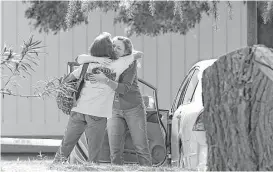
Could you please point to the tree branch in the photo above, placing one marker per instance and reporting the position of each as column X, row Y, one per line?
column 18, row 95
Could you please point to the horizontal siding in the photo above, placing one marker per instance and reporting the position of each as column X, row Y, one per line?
column 166, row 61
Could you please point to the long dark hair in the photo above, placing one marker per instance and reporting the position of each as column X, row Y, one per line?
column 103, row 46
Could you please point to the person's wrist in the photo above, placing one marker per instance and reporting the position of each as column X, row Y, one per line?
column 138, row 55
column 106, row 80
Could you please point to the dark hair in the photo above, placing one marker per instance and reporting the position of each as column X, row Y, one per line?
column 127, row 44
column 103, row 46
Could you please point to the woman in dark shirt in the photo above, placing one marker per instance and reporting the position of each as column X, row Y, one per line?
column 128, row 110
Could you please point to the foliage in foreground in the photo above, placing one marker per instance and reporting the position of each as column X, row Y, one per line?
column 16, row 66
column 149, row 18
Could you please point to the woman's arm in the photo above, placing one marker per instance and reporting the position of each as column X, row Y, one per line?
column 127, row 80
column 128, row 77
column 122, row 63
column 85, row 58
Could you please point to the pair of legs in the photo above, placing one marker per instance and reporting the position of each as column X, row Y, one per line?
column 77, row 124
column 133, row 120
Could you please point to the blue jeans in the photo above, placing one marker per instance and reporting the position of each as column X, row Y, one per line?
column 133, row 120
column 78, row 123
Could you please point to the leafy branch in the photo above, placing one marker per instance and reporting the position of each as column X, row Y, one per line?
column 149, row 18
column 20, row 65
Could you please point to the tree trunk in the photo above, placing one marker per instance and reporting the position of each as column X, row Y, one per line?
column 238, row 110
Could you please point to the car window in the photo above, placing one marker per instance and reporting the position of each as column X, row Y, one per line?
column 179, row 94
column 190, row 89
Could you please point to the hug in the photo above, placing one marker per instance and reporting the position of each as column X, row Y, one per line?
column 109, row 101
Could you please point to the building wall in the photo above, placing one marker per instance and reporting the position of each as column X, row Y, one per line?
column 167, row 60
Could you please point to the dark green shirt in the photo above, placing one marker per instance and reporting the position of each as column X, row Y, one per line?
column 128, row 94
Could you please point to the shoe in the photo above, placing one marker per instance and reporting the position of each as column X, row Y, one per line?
column 60, row 159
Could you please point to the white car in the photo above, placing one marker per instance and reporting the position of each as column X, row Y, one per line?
column 188, row 142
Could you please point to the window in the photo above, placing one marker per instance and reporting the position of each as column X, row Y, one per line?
column 189, row 93
column 180, row 93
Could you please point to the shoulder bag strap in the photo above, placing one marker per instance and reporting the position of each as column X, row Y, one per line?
column 81, row 79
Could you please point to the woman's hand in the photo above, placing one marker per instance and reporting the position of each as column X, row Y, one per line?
column 99, row 77
column 138, row 55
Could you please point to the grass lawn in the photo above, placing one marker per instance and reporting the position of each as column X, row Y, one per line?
column 44, row 165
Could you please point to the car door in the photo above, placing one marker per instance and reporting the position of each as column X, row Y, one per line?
column 186, row 107
column 188, row 112
column 175, row 110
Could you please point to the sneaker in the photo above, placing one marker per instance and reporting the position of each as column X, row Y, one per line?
column 60, row 159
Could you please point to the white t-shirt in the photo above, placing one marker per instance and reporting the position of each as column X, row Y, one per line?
column 97, row 98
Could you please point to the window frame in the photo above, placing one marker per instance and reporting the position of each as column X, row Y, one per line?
column 180, row 90
column 196, row 71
